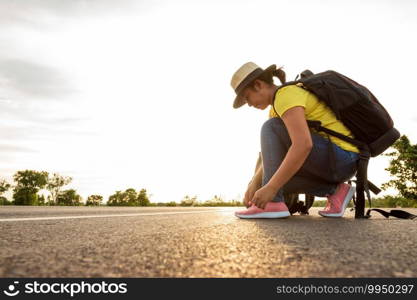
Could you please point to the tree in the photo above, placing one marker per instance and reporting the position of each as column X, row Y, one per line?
column 115, row 199
column 54, row 185
column 126, row 198
column 69, row 197
column 403, row 167
column 143, row 199
column 188, row 201
column 4, row 187
column 216, row 200
column 94, row 200
column 129, row 198
column 41, row 200
column 28, row 184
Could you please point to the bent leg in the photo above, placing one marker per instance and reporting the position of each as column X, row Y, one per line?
column 315, row 176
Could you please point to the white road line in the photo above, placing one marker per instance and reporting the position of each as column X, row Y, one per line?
column 107, row 216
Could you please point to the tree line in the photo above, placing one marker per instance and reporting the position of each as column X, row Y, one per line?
column 28, row 184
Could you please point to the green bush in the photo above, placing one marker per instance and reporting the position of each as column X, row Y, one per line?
column 4, row 201
column 25, row 196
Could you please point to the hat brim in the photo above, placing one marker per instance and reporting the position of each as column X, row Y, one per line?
column 239, row 99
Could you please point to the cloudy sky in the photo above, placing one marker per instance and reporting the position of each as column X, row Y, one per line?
column 121, row 94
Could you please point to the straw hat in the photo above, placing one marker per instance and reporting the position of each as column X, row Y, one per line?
column 245, row 75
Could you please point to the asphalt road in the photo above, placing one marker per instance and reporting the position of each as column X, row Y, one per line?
column 200, row 242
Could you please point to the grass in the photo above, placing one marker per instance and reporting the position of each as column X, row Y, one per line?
column 385, row 201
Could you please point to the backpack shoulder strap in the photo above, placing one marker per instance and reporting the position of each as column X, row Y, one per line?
column 317, row 126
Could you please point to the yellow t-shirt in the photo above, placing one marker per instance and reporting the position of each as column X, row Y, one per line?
column 292, row 95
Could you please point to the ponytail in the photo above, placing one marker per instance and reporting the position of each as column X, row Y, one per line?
column 280, row 74
column 268, row 77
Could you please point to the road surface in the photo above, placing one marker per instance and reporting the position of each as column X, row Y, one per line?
column 200, row 242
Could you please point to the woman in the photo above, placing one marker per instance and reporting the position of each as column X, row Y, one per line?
column 294, row 159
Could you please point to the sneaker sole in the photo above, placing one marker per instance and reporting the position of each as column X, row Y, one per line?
column 266, row 215
column 346, row 201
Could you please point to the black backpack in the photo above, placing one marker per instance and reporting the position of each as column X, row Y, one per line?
column 360, row 111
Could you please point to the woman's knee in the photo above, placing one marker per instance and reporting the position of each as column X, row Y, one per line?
column 272, row 125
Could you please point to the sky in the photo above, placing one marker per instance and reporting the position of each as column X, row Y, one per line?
column 136, row 94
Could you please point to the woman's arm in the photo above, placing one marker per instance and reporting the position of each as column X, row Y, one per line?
column 296, row 124
column 257, row 177
column 253, row 186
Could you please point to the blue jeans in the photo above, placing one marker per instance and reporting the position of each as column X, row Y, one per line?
column 315, row 177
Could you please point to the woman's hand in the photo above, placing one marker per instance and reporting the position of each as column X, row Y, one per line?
column 249, row 194
column 264, row 195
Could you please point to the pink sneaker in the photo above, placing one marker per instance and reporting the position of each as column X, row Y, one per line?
column 272, row 210
column 337, row 203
